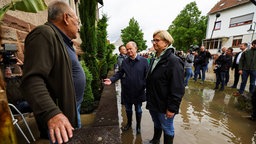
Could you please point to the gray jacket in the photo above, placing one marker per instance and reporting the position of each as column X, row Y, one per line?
column 189, row 61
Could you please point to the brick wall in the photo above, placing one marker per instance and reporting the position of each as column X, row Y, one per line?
column 17, row 24
column 14, row 30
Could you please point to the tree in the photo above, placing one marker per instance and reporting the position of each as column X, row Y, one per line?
column 87, row 105
column 23, row 5
column 188, row 28
column 134, row 33
column 87, row 11
column 102, row 46
column 110, row 58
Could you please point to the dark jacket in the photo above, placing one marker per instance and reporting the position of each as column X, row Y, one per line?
column 165, row 84
column 234, row 65
column 120, row 59
column 203, row 58
column 47, row 81
column 133, row 79
column 224, row 62
column 248, row 60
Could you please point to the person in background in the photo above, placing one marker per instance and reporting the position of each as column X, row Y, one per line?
column 53, row 80
column 223, row 63
column 188, row 66
column 122, row 55
column 165, row 86
column 235, row 64
column 202, row 64
column 247, row 67
column 133, row 80
column 230, row 65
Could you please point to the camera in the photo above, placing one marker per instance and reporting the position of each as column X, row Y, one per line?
column 193, row 48
column 8, row 54
column 216, row 68
column 180, row 54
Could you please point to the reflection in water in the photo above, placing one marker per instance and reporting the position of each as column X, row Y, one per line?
column 209, row 116
column 208, row 95
column 206, row 117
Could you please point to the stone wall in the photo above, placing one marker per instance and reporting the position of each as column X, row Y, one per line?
column 14, row 31
column 17, row 24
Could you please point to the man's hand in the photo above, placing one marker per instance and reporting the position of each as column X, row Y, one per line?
column 240, row 72
column 169, row 114
column 107, row 81
column 60, row 128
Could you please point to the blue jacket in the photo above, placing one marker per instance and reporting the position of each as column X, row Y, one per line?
column 133, row 79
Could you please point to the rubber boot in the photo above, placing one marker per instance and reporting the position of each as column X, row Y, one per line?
column 168, row 139
column 138, row 120
column 129, row 121
column 157, row 136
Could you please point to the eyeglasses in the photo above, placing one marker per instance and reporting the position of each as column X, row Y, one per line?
column 78, row 22
column 155, row 40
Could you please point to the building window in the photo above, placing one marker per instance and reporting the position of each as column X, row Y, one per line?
column 237, row 40
column 241, row 20
column 217, row 25
column 212, row 43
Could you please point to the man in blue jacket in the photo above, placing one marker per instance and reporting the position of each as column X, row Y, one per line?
column 133, row 80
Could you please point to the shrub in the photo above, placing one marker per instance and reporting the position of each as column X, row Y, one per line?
column 88, row 101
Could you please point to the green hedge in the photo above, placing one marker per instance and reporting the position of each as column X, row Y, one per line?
column 88, row 101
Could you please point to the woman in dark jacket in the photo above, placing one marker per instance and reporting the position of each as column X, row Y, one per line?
column 165, row 86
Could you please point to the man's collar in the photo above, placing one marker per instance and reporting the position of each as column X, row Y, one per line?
column 66, row 39
column 136, row 57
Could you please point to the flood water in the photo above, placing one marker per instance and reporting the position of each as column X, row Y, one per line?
column 206, row 117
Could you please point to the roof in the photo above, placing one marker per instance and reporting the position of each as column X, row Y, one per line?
column 227, row 4
column 100, row 1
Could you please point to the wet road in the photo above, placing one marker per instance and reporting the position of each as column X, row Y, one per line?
column 206, row 117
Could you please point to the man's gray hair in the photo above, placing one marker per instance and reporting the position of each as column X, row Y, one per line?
column 133, row 44
column 56, row 9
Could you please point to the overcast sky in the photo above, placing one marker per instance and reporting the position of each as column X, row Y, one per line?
column 151, row 15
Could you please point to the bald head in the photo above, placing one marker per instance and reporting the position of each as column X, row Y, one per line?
column 63, row 17
column 223, row 49
column 56, row 10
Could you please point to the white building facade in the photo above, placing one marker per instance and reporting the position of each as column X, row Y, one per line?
column 228, row 25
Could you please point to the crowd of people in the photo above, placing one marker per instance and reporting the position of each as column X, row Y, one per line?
column 158, row 81
column 243, row 63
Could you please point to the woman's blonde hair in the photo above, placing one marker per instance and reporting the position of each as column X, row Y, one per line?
column 164, row 35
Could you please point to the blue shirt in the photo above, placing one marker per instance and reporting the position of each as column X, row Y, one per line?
column 78, row 74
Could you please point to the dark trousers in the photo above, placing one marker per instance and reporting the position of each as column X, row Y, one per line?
column 220, row 78
column 245, row 75
column 227, row 77
column 254, row 104
column 236, row 76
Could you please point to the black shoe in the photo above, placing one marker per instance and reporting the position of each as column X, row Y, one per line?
column 154, row 141
column 222, row 89
column 252, row 118
column 233, row 87
column 138, row 130
column 168, row 139
column 126, row 128
column 216, row 88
